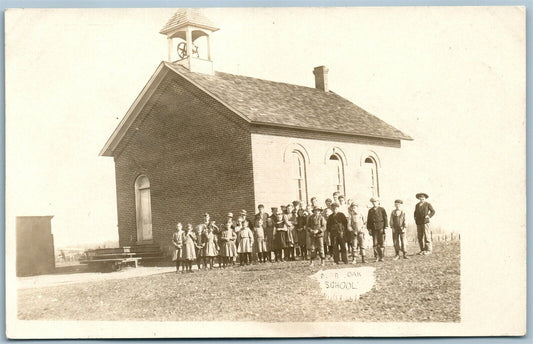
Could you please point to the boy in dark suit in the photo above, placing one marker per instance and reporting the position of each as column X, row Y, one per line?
column 337, row 225
column 376, row 223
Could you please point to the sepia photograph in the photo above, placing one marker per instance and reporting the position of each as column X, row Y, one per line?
column 265, row 172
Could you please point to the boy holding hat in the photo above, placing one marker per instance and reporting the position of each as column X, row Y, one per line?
column 397, row 223
column 423, row 212
column 376, row 223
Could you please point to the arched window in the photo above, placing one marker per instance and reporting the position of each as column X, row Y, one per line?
column 372, row 177
column 298, row 176
column 336, row 173
column 143, row 209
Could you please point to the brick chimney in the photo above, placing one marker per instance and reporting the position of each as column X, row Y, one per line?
column 321, row 78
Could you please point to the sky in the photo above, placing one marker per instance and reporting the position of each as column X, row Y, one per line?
column 451, row 78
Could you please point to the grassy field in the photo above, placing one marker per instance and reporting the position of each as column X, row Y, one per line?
column 422, row 288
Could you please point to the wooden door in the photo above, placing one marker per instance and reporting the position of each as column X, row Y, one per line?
column 144, row 209
column 145, row 221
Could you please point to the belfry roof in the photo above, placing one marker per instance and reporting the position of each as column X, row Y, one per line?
column 187, row 16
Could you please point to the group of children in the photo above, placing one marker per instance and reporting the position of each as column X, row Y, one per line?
column 298, row 230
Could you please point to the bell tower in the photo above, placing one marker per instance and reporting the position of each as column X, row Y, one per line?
column 189, row 34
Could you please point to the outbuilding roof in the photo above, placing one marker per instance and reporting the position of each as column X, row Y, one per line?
column 277, row 103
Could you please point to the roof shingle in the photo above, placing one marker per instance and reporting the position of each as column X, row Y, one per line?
column 276, row 103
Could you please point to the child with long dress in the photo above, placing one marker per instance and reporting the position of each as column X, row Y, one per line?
column 189, row 247
column 281, row 237
column 228, row 250
column 245, row 241
column 210, row 249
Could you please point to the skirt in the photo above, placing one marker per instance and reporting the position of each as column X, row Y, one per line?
column 281, row 240
column 188, row 252
column 293, row 237
column 302, row 238
column 261, row 245
column 228, row 249
column 245, row 246
column 210, row 250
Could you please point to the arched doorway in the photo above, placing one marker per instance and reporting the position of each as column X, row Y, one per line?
column 143, row 209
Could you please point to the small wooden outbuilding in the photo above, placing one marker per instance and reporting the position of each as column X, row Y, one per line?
column 35, row 245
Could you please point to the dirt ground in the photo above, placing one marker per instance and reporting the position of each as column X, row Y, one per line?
column 78, row 274
column 422, row 288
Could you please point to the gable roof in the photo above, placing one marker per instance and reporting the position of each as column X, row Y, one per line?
column 264, row 102
column 277, row 103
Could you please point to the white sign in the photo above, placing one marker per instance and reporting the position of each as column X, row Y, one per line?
column 346, row 284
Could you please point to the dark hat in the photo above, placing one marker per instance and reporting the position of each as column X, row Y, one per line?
column 317, row 208
column 422, row 194
column 295, row 203
column 274, row 208
column 335, row 205
column 374, row 199
column 398, row 201
column 282, row 207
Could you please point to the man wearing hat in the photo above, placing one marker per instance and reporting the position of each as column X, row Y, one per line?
column 376, row 223
column 423, row 212
column 337, row 225
column 316, row 226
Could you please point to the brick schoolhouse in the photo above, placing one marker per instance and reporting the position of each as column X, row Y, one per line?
column 196, row 141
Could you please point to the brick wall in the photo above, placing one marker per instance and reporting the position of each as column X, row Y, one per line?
column 196, row 154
